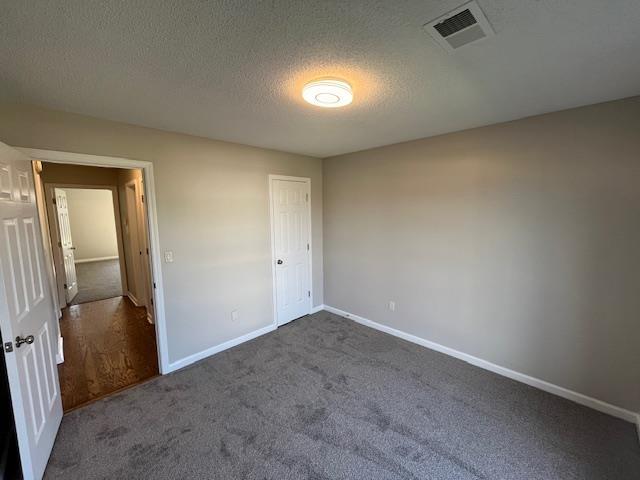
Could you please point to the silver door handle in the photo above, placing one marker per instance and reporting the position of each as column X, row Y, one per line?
column 279, row 262
column 29, row 339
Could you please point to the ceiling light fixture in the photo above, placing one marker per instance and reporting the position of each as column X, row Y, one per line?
column 328, row 93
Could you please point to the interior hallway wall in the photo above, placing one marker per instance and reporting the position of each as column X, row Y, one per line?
column 517, row 243
column 77, row 174
column 123, row 177
column 93, row 223
column 213, row 213
column 135, row 239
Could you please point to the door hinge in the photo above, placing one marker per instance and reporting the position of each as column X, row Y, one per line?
column 53, row 200
column 8, row 347
column 307, row 197
column 65, row 286
column 154, row 284
column 142, row 198
column 307, row 247
column 151, row 301
column 309, row 292
column 60, row 244
column 147, row 251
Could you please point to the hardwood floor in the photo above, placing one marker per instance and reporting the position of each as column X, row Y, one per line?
column 108, row 345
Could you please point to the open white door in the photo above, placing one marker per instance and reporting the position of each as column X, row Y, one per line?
column 27, row 321
column 66, row 244
column 290, row 222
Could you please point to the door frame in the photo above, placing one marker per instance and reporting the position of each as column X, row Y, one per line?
column 48, row 189
column 306, row 180
column 152, row 227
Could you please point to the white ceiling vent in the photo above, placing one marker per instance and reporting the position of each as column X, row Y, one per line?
column 462, row 26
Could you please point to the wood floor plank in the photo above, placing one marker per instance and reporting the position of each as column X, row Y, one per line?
column 108, row 346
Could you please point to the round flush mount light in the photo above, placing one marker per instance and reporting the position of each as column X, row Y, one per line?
column 328, row 93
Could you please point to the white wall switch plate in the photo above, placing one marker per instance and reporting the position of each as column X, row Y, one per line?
column 392, row 305
column 168, row 256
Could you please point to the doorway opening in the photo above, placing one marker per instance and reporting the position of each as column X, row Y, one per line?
column 88, row 249
column 97, row 226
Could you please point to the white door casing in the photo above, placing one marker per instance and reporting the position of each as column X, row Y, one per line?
column 291, row 246
column 26, row 309
column 150, row 198
column 66, row 244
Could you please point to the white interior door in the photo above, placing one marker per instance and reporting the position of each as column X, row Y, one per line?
column 66, row 244
column 290, row 223
column 27, row 320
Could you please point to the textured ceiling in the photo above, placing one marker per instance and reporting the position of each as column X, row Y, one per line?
column 233, row 70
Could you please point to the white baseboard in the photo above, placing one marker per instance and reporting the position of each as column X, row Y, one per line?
column 60, row 352
column 96, row 259
column 133, row 299
column 317, row 309
column 520, row 377
column 218, row 348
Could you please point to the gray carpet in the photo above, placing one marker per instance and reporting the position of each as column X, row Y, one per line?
column 97, row 281
column 326, row 398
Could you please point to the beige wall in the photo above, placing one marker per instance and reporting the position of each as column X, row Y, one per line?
column 212, row 212
column 517, row 243
column 93, row 223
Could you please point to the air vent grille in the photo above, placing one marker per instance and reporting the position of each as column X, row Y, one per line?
column 456, row 23
column 462, row 26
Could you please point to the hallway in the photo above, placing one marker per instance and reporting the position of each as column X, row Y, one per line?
column 108, row 345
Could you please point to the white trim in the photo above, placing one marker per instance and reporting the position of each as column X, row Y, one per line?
column 81, row 158
column 133, row 299
column 478, row 362
column 96, row 259
column 178, row 364
column 154, row 236
column 317, row 309
column 60, row 352
column 306, row 180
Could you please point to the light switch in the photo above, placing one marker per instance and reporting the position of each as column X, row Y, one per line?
column 168, row 256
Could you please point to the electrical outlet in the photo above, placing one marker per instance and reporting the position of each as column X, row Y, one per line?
column 235, row 315
column 392, row 305
column 168, row 256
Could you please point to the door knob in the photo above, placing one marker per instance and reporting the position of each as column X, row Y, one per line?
column 29, row 339
column 279, row 262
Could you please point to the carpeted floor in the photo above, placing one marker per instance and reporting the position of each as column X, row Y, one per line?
column 97, row 281
column 326, row 398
